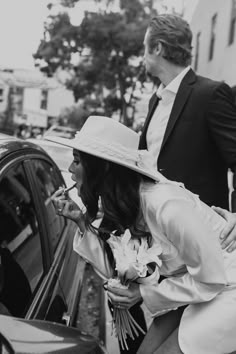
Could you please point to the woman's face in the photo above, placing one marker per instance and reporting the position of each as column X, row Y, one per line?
column 76, row 169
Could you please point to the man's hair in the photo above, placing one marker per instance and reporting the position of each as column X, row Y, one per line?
column 175, row 35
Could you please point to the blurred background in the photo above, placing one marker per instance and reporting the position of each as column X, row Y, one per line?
column 62, row 60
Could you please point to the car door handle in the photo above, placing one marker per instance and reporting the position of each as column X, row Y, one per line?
column 66, row 319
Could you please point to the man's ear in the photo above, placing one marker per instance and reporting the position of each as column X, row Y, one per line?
column 159, row 48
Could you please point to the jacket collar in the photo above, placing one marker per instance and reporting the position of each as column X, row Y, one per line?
column 182, row 95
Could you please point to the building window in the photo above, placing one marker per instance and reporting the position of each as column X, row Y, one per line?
column 232, row 23
column 1, row 94
column 213, row 36
column 197, row 51
column 17, row 99
column 44, row 99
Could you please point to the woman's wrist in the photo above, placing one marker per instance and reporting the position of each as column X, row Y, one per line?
column 80, row 221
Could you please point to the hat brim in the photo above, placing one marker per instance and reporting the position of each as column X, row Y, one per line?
column 95, row 152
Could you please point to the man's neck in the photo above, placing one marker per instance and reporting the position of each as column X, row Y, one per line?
column 169, row 73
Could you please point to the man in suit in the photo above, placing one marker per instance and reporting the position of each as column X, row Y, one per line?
column 191, row 123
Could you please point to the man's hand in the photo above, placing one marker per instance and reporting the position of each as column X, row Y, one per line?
column 228, row 236
column 124, row 298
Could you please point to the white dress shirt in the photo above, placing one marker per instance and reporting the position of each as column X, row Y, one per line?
column 157, row 126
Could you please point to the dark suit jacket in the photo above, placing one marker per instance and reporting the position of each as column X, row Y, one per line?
column 200, row 139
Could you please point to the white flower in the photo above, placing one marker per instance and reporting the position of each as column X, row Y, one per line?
column 115, row 283
column 148, row 254
column 132, row 256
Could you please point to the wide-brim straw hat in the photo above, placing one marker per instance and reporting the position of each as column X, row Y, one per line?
column 113, row 141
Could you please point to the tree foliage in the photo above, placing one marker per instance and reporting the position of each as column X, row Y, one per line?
column 110, row 47
column 74, row 116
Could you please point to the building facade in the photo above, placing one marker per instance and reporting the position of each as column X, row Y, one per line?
column 214, row 39
column 29, row 98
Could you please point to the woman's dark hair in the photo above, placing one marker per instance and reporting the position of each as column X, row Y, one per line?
column 118, row 187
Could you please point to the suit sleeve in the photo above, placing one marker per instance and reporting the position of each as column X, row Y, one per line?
column 221, row 117
column 199, row 249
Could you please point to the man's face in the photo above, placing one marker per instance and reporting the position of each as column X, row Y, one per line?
column 150, row 58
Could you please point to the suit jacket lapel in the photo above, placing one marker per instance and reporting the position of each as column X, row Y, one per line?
column 153, row 104
column 180, row 100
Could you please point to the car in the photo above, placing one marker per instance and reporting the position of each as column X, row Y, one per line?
column 19, row 336
column 41, row 277
column 62, row 156
column 60, row 130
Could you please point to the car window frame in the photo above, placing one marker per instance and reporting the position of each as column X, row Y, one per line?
column 49, row 272
column 6, row 164
column 55, row 257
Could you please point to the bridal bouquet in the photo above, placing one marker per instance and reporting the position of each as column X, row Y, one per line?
column 132, row 258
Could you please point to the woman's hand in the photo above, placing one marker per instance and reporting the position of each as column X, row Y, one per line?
column 228, row 236
column 124, row 298
column 67, row 207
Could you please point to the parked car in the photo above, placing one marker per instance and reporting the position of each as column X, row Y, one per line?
column 41, row 276
column 19, row 336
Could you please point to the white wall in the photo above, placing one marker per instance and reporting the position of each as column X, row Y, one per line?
column 222, row 66
column 32, row 99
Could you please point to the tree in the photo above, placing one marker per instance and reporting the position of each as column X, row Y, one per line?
column 110, row 47
column 74, row 116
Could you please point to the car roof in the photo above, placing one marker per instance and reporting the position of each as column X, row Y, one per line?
column 9, row 144
column 44, row 142
column 6, row 137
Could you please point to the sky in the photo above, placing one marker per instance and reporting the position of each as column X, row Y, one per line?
column 21, row 28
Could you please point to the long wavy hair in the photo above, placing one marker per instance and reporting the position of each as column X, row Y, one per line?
column 118, row 188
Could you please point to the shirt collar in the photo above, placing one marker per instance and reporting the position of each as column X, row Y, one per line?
column 173, row 86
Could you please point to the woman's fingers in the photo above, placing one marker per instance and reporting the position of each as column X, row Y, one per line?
column 126, row 298
column 58, row 193
column 60, row 206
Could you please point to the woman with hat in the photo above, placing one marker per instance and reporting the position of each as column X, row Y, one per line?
column 199, row 274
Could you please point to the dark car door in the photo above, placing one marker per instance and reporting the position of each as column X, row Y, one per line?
column 35, row 243
column 66, row 264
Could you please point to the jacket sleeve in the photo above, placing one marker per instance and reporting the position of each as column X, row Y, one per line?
column 221, row 118
column 199, row 249
column 91, row 248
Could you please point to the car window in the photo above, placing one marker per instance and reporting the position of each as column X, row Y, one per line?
column 20, row 246
column 48, row 181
